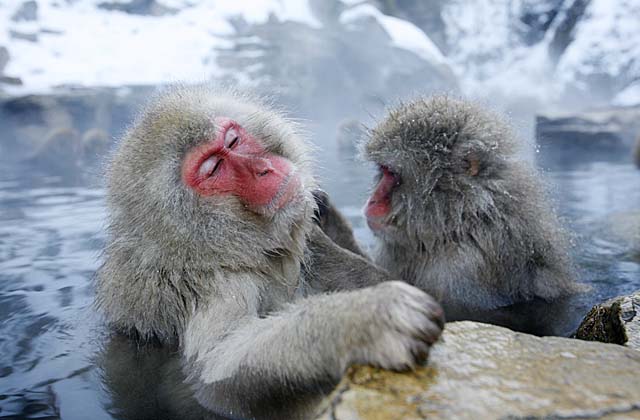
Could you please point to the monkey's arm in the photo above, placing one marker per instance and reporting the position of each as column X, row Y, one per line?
column 240, row 363
column 329, row 267
column 334, row 224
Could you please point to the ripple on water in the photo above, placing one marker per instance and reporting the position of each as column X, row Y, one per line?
column 51, row 236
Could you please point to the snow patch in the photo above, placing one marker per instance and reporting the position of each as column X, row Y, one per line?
column 629, row 96
column 606, row 42
column 488, row 53
column 403, row 34
column 81, row 44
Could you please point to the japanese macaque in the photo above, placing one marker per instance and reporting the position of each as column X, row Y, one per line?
column 65, row 152
column 459, row 216
column 212, row 248
column 59, row 152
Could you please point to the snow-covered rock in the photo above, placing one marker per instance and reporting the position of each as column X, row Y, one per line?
column 554, row 51
column 542, row 52
column 605, row 53
column 27, row 11
column 403, row 34
column 349, row 67
column 81, row 43
column 597, row 134
column 4, row 59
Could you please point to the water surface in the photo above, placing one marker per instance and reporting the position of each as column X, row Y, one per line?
column 51, row 234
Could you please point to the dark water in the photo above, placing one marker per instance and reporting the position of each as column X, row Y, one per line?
column 51, row 235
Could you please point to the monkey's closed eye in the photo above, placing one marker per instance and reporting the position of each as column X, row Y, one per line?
column 231, row 138
column 209, row 166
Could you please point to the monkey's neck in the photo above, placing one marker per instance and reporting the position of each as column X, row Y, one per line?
column 444, row 274
column 402, row 261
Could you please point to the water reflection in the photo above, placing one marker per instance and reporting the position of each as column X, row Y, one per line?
column 57, row 361
column 50, row 237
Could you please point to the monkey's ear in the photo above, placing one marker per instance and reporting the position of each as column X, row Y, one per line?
column 473, row 165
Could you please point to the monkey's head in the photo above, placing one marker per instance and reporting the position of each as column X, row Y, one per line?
column 212, row 177
column 439, row 161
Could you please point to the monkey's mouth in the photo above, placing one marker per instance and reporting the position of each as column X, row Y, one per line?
column 378, row 207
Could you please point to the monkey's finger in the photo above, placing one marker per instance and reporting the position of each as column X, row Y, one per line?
column 322, row 201
column 420, row 353
column 437, row 316
column 428, row 332
column 434, row 312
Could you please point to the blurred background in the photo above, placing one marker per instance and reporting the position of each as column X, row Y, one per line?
column 74, row 72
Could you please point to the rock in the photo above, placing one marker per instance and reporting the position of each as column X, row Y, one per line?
column 23, row 36
column 480, row 371
column 425, row 14
column 564, row 34
column 598, row 134
column 636, row 153
column 139, row 7
column 535, row 18
column 300, row 62
column 4, row 79
column 27, row 11
column 4, row 59
column 9, row 80
column 327, row 11
column 615, row 321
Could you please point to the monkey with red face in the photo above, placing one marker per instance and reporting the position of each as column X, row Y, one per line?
column 212, row 249
column 459, row 216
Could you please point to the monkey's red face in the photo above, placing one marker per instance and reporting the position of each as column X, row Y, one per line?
column 236, row 163
column 378, row 207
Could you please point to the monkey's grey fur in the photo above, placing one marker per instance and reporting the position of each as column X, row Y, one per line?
column 470, row 223
column 335, row 225
column 225, row 285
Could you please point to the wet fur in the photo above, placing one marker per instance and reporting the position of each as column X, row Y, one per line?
column 230, row 290
column 471, row 224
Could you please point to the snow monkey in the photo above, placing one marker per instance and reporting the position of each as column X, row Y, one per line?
column 460, row 217
column 212, row 248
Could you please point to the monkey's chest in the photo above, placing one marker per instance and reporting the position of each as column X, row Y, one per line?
column 282, row 284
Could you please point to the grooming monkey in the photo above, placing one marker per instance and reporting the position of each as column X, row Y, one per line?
column 212, row 249
column 458, row 216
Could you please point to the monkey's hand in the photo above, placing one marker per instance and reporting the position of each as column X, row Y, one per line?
column 329, row 267
column 324, row 206
column 237, row 357
column 406, row 322
column 334, row 224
